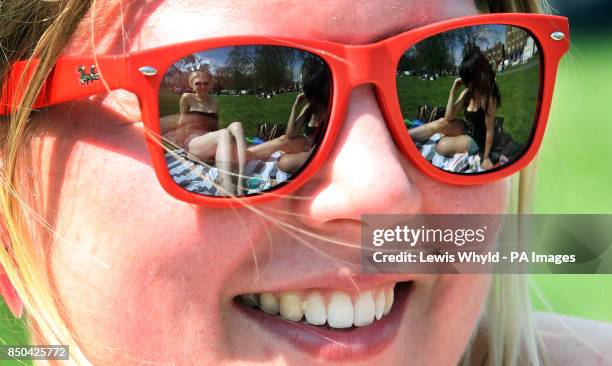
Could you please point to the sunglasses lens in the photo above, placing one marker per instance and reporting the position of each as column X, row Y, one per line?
column 458, row 87
column 256, row 127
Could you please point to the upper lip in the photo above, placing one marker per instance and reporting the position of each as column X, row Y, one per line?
column 329, row 345
column 350, row 282
column 277, row 274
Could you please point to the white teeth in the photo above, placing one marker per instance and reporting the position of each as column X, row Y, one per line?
column 339, row 310
column 268, row 303
column 389, row 295
column 314, row 309
column 291, row 306
column 250, row 300
column 380, row 304
column 364, row 309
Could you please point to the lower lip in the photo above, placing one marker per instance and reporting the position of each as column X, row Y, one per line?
column 354, row 344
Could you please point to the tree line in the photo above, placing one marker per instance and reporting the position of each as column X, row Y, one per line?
column 261, row 68
column 436, row 54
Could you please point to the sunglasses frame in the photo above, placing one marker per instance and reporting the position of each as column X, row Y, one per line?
column 350, row 65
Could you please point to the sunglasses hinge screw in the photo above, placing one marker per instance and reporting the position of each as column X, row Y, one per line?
column 148, row 71
column 557, row 36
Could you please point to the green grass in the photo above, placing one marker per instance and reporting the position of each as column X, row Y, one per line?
column 412, row 91
column 574, row 171
column 12, row 331
column 247, row 109
column 519, row 91
column 518, row 87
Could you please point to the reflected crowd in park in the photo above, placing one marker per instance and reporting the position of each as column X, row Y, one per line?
column 241, row 120
column 478, row 90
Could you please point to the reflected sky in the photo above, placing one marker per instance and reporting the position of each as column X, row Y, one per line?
column 218, row 57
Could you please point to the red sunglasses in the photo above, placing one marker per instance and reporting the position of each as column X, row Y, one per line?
column 411, row 73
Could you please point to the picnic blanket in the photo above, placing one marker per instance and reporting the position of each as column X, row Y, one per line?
column 196, row 177
column 459, row 163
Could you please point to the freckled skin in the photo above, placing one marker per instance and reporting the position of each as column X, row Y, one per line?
column 146, row 277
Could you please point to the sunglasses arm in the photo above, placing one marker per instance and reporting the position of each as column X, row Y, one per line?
column 71, row 78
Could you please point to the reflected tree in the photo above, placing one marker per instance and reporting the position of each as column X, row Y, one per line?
column 238, row 71
column 273, row 67
column 432, row 55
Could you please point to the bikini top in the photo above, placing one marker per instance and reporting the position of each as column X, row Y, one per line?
column 476, row 126
column 197, row 105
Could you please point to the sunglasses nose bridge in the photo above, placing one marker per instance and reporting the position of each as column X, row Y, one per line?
column 368, row 64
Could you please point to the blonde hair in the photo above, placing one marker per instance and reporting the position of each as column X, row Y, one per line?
column 198, row 73
column 505, row 334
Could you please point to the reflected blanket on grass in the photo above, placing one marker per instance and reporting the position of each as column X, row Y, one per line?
column 199, row 178
column 459, row 163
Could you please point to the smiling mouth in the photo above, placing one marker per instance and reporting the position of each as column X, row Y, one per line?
column 336, row 309
column 331, row 324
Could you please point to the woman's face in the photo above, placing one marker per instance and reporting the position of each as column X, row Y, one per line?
column 201, row 84
column 144, row 276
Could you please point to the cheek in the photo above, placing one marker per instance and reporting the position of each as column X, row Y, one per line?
column 458, row 302
column 130, row 263
column 442, row 198
column 446, row 309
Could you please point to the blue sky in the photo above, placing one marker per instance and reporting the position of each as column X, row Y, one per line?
column 218, row 57
column 488, row 36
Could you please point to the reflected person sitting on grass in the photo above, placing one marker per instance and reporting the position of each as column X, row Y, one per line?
column 296, row 148
column 479, row 100
column 202, row 138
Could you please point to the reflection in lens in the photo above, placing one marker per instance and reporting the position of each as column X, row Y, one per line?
column 460, row 86
column 242, row 120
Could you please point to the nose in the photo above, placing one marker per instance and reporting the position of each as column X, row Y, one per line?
column 365, row 172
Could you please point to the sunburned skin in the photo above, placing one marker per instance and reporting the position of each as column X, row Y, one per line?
column 144, row 276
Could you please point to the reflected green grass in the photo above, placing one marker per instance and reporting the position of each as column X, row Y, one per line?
column 247, row 109
column 518, row 88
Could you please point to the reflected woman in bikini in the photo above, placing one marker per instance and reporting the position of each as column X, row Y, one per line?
column 199, row 123
column 479, row 101
column 311, row 120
